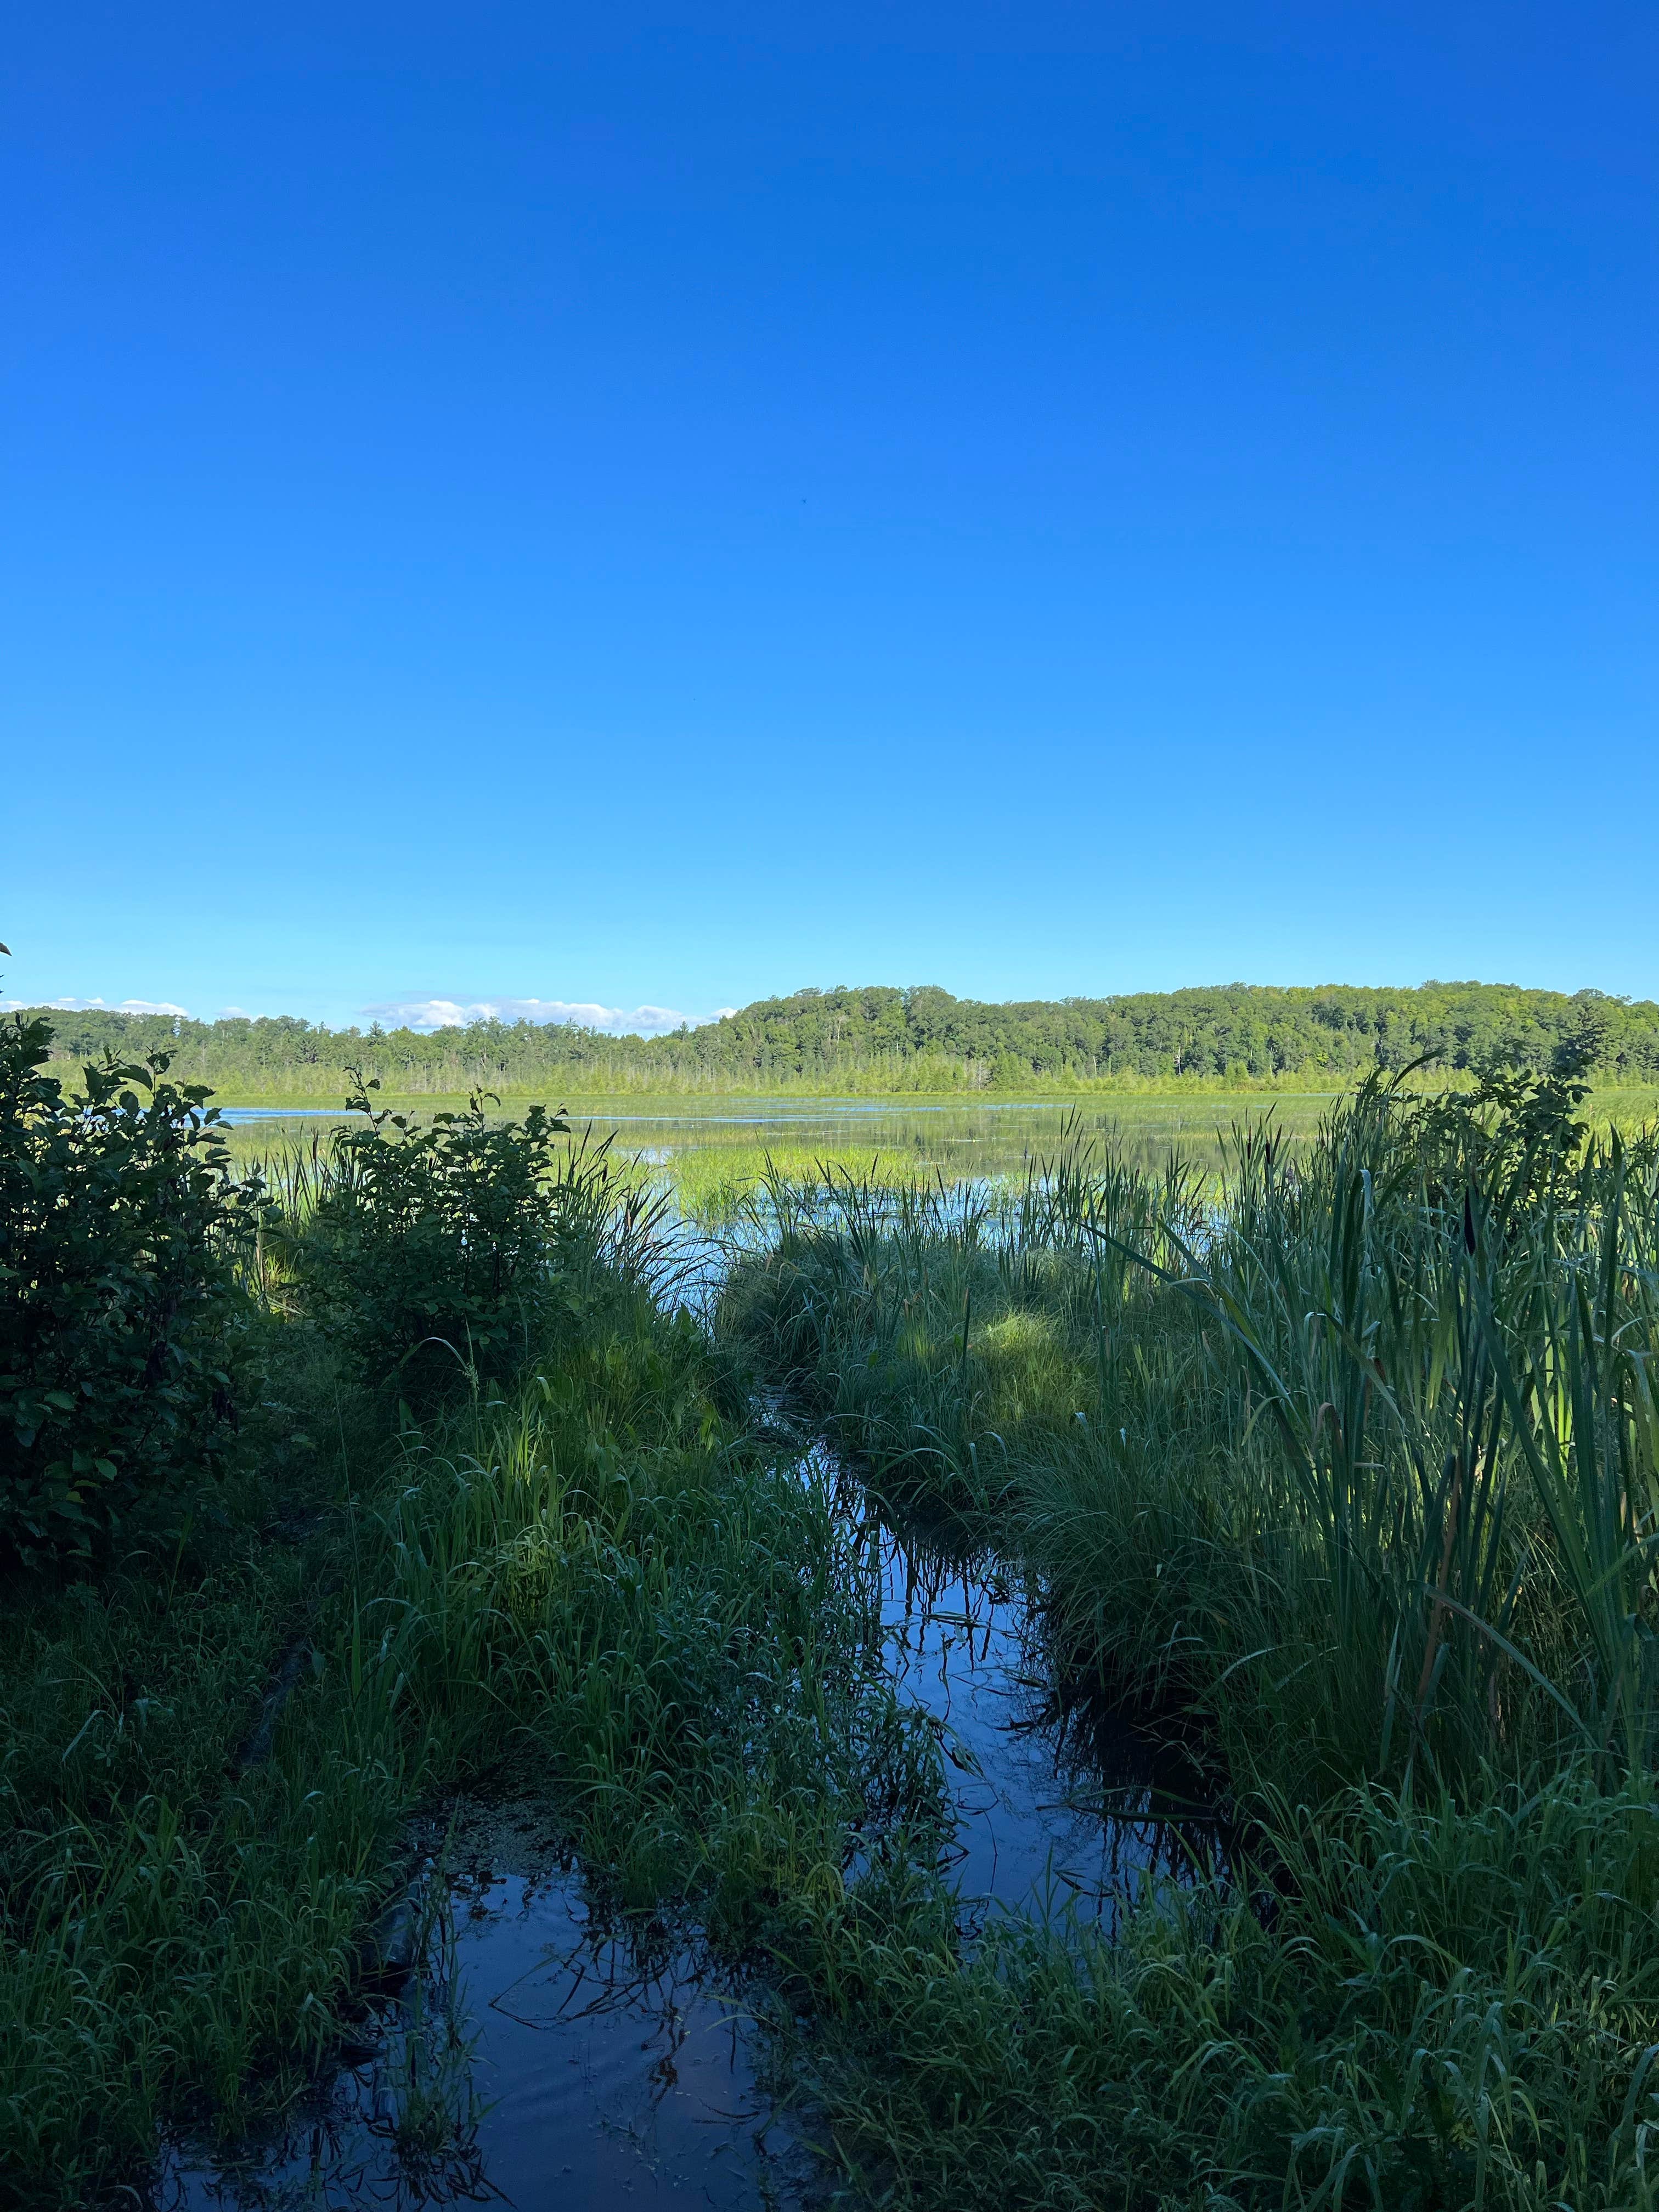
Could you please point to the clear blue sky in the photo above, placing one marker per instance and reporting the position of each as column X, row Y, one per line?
column 638, row 504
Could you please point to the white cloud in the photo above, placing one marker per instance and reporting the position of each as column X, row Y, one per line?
column 233, row 1014
column 98, row 1006
column 616, row 1021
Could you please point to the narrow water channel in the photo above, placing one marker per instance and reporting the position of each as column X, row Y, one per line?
column 539, row 2058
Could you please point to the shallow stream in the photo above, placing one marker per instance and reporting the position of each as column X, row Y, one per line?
column 535, row 2057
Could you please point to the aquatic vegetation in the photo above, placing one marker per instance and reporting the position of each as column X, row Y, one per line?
column 1438, row 2004
column 1342, row 1468
column 1349, row 1473
column 593, row 1579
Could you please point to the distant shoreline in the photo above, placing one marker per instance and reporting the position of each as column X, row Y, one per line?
column 879, row 1041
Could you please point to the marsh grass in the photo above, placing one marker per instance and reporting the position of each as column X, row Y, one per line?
column 1446, row 2006
column 175, row 1919
column 693, row 1144
column 1357, row 1409
column 1347, row 1469
column 592, row 1579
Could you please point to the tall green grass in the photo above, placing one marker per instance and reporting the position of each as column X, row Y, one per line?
column 1440, row 2004
column 1345, row 1471
column 1364, row 1438
column 595, row 1583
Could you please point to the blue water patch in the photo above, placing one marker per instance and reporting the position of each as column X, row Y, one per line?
column 232, row 1117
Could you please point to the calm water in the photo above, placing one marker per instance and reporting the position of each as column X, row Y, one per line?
column 1059, row 1806
column 539, row 2057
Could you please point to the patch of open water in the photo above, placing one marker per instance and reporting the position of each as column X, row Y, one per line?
column 1061, row 1802
column 539, row 2058
column 536, row 2056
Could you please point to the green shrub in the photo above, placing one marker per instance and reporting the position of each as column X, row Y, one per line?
column 425, row 1249
column 120, row 1230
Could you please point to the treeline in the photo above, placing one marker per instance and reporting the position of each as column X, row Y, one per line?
column 879, row 1039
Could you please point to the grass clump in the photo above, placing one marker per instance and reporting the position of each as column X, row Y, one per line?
column 176, row 1915
column 1450, row 2005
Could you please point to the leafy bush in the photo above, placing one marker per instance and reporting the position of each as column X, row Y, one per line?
column 120, row 1226
column 425, row 1247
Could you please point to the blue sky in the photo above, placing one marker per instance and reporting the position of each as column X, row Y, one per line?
column 647, row 506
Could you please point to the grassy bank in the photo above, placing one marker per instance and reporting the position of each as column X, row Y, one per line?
column 580, row 1573
column 1352, row 1484
column 597, row 1587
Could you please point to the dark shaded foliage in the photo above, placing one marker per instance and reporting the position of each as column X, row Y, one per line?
column 427, row 1250
column 120, row 1226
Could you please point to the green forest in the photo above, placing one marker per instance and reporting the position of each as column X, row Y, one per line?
column 881, row 1039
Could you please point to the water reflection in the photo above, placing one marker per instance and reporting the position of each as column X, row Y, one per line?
column 1061, row 1799
column 537, row 2056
